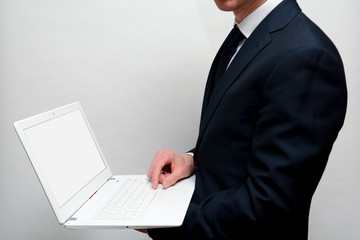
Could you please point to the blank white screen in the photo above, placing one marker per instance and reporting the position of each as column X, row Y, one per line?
column 66, row 153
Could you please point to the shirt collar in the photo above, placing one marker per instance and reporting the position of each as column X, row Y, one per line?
column 248, row 25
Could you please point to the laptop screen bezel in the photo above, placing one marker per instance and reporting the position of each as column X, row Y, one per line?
column 64, row 212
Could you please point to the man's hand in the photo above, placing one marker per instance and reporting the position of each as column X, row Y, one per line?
column 168, row 167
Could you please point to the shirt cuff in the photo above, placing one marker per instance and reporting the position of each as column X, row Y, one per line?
column 190, row 153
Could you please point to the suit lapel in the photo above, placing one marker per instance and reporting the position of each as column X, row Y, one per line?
column 278, row 19
column 209, row 83
column 249, row 50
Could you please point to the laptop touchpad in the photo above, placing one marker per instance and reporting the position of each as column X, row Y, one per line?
column 170, row 197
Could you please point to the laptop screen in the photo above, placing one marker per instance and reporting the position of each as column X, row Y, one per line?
column 67, row 154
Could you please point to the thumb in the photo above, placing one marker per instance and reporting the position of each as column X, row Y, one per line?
column 171, row 179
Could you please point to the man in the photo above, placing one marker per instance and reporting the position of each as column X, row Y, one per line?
column 268, row 123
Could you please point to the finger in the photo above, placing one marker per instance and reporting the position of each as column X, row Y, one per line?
column 162, row 161
column 155, row 178
column 150, row 171
column 157, row 173
column 163, row 176
column 171, row 179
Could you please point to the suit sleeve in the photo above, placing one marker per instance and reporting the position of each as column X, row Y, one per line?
column 303, row 105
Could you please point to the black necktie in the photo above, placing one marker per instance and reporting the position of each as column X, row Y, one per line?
column 228, row 50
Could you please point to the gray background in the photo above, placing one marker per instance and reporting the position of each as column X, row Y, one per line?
column 139, row 70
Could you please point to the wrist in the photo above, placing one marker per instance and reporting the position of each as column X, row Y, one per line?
column 190, row 159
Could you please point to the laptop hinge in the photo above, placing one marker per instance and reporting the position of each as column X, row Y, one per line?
column 72, row 219
column 112, row 178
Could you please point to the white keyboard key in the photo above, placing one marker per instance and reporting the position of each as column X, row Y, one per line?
column 131, row 201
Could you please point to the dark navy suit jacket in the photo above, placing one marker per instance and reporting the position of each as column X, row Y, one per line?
column 266, row 134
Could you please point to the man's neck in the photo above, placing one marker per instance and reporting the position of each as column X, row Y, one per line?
column 242, row 13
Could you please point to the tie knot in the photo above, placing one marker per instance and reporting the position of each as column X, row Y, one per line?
column 234, row 37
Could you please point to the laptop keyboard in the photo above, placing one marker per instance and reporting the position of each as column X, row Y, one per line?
column 131, row 201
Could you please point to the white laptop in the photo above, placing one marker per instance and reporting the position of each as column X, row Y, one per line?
column 78, row 181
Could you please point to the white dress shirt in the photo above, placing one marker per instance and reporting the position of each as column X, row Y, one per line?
column 248, row 25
